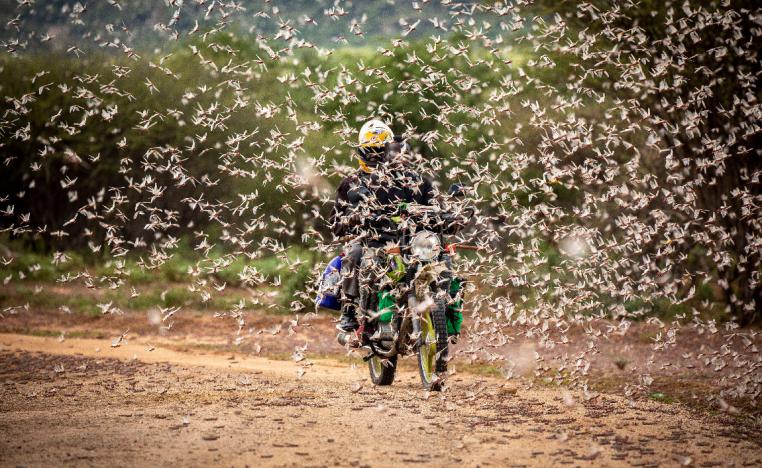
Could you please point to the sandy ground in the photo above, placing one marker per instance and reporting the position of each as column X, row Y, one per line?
column 82, row 402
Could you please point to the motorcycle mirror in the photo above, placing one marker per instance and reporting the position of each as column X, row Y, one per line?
column 456, row 190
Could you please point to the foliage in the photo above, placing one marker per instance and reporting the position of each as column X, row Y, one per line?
column 220, row 149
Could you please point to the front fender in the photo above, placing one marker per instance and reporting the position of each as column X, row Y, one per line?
column 426, row 274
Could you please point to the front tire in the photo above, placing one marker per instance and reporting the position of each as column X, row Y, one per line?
column 381, row 374
column 432, row 353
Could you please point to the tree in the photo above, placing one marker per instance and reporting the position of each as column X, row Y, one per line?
column 682, row 82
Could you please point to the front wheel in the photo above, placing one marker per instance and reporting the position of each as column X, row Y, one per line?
column 382, row 373
column 432, row 353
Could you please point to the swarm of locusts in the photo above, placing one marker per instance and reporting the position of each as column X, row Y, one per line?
column 611, row 151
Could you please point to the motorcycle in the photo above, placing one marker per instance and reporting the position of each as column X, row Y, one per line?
column 410, row 302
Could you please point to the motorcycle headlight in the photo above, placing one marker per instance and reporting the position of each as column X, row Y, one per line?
column 425, row 246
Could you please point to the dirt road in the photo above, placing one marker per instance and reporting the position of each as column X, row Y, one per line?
column 82, row 402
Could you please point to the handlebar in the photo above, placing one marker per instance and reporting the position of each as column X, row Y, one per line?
column 436, row 219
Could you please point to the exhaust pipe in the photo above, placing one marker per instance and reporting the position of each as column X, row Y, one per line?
column 348, row 339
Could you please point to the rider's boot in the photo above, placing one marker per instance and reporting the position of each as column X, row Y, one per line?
column 348, row 326
column 348, row 322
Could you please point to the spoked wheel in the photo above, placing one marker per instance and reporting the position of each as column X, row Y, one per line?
column 432, row 354
column 381, row 373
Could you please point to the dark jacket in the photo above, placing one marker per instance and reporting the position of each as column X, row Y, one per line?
column 386, row 189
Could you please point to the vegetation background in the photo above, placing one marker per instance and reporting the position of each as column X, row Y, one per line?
column 138, row 70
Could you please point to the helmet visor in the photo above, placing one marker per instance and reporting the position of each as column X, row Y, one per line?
column 371, row 150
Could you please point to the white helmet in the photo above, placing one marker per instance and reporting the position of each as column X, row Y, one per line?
column 374, row 134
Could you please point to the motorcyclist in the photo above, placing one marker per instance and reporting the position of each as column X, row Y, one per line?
column 381, row 184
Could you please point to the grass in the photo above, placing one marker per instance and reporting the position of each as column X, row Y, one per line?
column 86, row 301
column 183, row 267
column 667, row 310
column 481, row 369
column 686, row 390
column 34, row 266
column 24, row 294
column 98, row 335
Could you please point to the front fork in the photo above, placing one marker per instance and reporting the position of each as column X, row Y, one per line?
column 442, row 284
column 412, row 304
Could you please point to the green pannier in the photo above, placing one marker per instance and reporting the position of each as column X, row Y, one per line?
column 386, row 305
column 455, row 309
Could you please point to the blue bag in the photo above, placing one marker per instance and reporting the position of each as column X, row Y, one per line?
column 329, row 284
